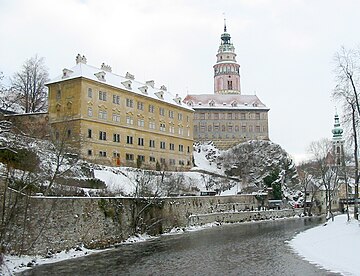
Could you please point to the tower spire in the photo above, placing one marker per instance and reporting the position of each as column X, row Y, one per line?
column 224, row 25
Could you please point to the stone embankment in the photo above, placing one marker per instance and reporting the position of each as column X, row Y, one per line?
column 38, row 225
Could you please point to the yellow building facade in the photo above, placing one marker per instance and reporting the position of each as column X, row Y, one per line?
column 118, row 121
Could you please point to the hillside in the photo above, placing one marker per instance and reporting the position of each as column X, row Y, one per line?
column 45, row 169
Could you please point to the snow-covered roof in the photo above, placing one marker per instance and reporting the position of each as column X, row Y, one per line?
column 224, row 101
column 128, row 83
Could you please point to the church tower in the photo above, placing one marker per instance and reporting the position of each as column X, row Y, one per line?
column 338, row 142
column 226, row 69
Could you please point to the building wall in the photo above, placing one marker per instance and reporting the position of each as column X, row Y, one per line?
column 114, row 126
column 231, row 126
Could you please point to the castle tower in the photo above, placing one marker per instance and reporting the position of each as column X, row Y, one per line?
column 226, row 69
column 337, row 141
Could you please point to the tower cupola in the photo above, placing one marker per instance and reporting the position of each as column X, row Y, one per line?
column 337, row 141
column 226, row 69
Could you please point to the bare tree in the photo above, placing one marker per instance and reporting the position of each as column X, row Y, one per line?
column 325, row 171
column 347, row 70
column 29, row 85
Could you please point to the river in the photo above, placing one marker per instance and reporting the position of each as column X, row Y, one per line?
column 257, row 248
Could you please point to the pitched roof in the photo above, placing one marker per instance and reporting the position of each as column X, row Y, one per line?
column 224, row 101
column 129, row 84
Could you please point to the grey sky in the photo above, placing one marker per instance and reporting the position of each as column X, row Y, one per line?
column 285, row 48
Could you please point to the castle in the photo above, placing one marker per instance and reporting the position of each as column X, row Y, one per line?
column 227, row 117
column 118, row 120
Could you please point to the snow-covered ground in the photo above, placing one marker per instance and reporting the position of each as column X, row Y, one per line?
column 334, row 246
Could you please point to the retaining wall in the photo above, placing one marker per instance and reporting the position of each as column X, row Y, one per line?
column 44, row 224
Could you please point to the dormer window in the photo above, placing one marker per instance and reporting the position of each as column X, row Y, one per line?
column 255, row 104
column 100, row 75
column 177, row 99
column 199, row 103
column 127, row 84
column 66, row 73
column 211, row 103
column 144, row 89
column 163, row 87
column 234, row 104
column 189, row 103
column 160, row 94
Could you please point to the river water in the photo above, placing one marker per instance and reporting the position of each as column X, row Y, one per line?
column 257, row 248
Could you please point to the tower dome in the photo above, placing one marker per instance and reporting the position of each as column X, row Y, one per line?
column 337, row 130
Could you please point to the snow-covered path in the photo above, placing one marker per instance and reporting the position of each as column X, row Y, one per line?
column 334, row 246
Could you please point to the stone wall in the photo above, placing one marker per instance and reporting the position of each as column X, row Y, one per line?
column 44, row 224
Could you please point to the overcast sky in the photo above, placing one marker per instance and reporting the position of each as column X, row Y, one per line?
column 285, row 48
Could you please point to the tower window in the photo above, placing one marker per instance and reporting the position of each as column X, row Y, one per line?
column 230, row 87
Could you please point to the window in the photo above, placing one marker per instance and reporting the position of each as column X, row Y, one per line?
column 172, row 146
column 68, row 133
column 171, row 114
column 162, row 127
column 152, row 143
column 129, row 157
column 102, row 153
column 230, row 87
column 171, row 129
column 141, row 158
column 140, row 141
column 89, row 152
column 242, row 116
column 250, row 128
column 129, row 103
column 229, row 116
column 222, row 128
column 140, row 105
column 151, row 108
column 172, row 162
column 162, row 145
column 188, row 132
column 90, row 111
column 116, row 117
column 58, row 94
column 152, row 159
column 161, row 111
column 181, row 131
column 102, row 96
column 90, row 92
column 116, row 137
column 257, row 116
column 243, row 128
column 257, row 129
column 141, row 122
column 230, row 128
column 129, row 139
column 188, row 149
column 116, row 154
column 216, row 116
column 180, row 116
column 236, row 128
column 116, row 99
column 181, row 162
column 202, row 116
column 129, row 120
column 102, row 135
column 89, row 133
column 209, row 128
column 181, row 148
column 152, row 125
column 102, row 114
column 162, row 160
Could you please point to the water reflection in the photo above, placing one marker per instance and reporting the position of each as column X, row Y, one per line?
column 239, row 249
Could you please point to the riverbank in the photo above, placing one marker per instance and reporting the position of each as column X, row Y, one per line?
column 333, row 246
column 15, row 264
